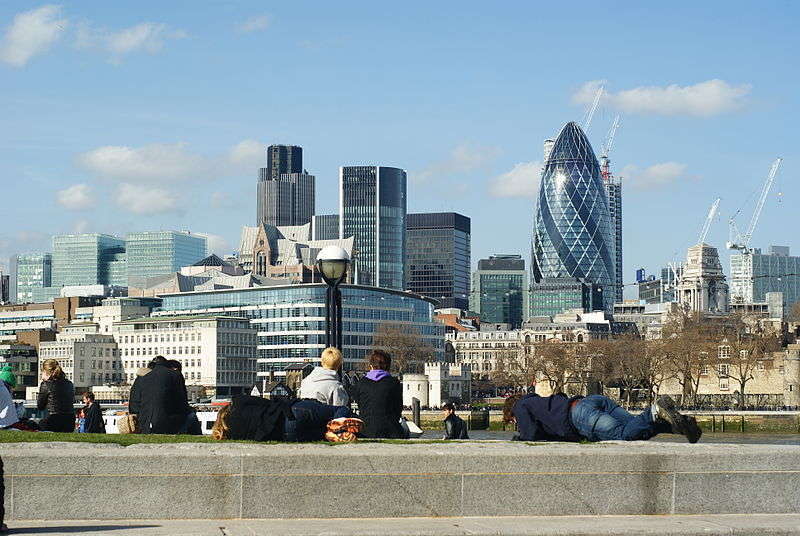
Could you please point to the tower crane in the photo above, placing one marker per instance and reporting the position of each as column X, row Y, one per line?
column 741, row 241
column 587, row 120
column 605, row 167
column 707, row 225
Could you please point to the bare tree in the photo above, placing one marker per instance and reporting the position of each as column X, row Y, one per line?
column 689, row 348
column 554, row 361
column 513, row 369
column 794, row 312
column 622, row 360
column 407, row 347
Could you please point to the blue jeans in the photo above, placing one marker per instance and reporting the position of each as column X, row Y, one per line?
column 598, row 418
column 311, row 420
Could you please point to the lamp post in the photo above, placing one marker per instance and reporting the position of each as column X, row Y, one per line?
column 332, row 262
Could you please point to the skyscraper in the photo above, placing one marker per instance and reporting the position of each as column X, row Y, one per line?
column 154, row 253
column 614, row 193
column 573, row 236
column 285, row 190
column 499, row 290
column 372, row 208
column 87, row 259
column 27, row 273
column 754, row 274
column 438, row 257
column 325, row 227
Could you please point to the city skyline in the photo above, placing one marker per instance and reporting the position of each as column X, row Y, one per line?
column 172, row 155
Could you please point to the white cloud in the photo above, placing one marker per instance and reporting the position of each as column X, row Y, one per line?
column 255, row 23
column 150, row 163
column 32, row 33
column 76, row 197
column 140, row 199
column 248, row 154
column 654, row 176
column 521, row 181
column 704, row 99
column 148, row 37
column 80, row 227
column 463, row 158
column 217, row 244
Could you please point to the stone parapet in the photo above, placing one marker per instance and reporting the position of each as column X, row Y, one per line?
column 365, row 480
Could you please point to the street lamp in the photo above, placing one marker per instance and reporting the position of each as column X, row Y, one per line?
column 332, row 262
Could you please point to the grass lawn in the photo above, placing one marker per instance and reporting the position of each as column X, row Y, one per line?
column 119, row 439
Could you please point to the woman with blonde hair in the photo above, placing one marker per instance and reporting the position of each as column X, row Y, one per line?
column 57, row 396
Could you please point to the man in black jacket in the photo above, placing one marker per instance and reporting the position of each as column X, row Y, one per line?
column 454, row 426
column 594, row 418
column 158, row 399
column 92, row 415
column 380, row 398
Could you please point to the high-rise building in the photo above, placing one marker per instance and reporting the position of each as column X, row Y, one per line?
column 754, row 274
column 553, row 296
column 88, row 259
column 614, row 193
column 27, row 273
column 438, row 257
column 573, row 238
column 499, row 290
column 153, row 253
column 285, row 189
column 372, row 209
column 5, row 288
column 661, row 290
column 325, row 227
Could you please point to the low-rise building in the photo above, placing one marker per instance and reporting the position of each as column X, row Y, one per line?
column 87, row 357
column 441, row 383
column 24, row 362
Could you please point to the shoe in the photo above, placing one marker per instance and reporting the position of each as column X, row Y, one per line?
column 693, row 431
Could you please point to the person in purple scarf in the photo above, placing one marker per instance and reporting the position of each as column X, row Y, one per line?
column 380, row 398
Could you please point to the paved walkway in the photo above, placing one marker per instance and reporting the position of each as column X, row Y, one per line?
column 713, row 525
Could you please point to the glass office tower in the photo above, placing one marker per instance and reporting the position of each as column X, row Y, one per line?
column 372, row 206
column 754, row 274
column 27, row 273
column 85, row 260
column 438, row 257
column 325, row 227
column 161, row 252
column 499, row 290
column 573, row 236
column 285, row 191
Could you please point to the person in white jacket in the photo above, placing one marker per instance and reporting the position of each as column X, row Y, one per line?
column 323, row 382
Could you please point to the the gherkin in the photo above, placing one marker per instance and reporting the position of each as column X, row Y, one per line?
column 572, row 235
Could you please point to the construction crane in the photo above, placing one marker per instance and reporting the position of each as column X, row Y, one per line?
column 605, row 164
column 741, row 241
column 709, row 219
column 587, row 120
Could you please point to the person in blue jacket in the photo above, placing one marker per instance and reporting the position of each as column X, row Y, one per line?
column 593, row 418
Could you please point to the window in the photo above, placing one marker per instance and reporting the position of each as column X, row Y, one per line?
column 724, row 384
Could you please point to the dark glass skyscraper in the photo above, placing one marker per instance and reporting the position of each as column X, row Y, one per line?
column 438, row 257
column 372, row 209
column 285, row 190
column 499, row 290
column 325, row 227
column 573, row 236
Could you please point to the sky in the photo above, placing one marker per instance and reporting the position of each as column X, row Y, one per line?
column 118, row 118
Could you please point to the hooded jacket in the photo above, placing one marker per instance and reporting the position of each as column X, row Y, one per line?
column 324, row 385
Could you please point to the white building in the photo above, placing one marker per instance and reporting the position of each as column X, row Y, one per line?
column 216, row 352
column 702, row 287
column 86, row 356
column 441, row 383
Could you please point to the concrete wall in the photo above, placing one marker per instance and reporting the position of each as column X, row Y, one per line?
column 211, row 481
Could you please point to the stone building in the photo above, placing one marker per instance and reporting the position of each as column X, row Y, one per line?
column 702, row 287
column 441, row 383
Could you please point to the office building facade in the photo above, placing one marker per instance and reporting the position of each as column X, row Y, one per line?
column 614, row 194
column 325, row 227
column 88, row 259
column 372, row 209
column 28, row 272
column 5, row 288
column 156, row 253
column 499, row 290
column 553, row 296
column 285, row 190
column 438, row 257
column 754, row 274
column 573, row 235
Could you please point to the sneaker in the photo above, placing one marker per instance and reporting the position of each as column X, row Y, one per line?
column 693, row 431
column 679, row 424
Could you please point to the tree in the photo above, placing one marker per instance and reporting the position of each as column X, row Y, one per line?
column 794, row 312
column 408, row 348
column 689, row 349
column 745, row 342
column 554, row 361
column 621, row 359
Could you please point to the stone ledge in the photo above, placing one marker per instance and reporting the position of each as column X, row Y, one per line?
column 363, row 480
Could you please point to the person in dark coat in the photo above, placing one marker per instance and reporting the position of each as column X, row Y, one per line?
column 454, row 426
column 380, row 399
column 57, row 396
column 278, row 419
column 159, row 400
column 594, row 418
column 92, row 415
column 191, row 424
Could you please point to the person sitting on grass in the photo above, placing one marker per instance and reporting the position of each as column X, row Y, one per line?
column 57, row 396
column 323, row 382
column 593, row 418
column 454, row 426
column 380, row 399
column 280, row 419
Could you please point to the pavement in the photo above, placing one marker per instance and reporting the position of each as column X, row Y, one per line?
column 673, row 525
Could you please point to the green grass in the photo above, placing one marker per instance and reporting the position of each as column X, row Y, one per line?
column 119, row 439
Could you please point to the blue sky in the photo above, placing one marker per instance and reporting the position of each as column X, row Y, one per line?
column 115, row 118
